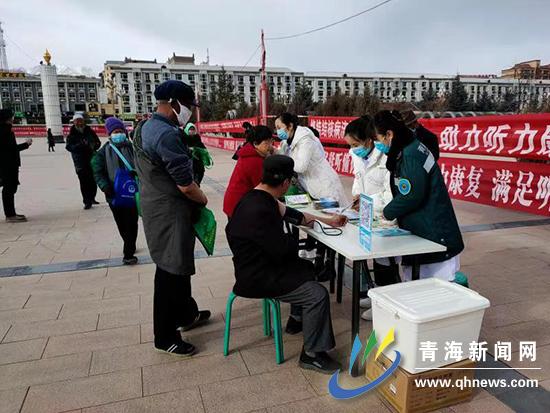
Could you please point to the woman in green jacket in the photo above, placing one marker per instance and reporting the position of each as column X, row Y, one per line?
column 421, row 203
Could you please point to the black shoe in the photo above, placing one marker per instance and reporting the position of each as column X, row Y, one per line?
column 293, row 326
column 321, row 363
column 94, row 202
column 130, row 260
column 181, row 349
column 16, row 218
column 202, row 317
column 87, row 206
column 327, row 273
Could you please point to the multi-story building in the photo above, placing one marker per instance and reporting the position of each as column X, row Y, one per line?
column 130, row 83
column 532, row 69
column 23, row 93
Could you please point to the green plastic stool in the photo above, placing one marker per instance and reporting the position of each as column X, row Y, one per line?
column 462, row 279
column 268, row 305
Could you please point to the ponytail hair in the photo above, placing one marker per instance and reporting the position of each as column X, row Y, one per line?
column 289, row 119
column 361, row 129
column 258, row 134
column 385, row 121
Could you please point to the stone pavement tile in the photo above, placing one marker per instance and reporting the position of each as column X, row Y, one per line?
column 125, row 290
column 191, row 372
column 4, row 327
column 124, row 318
column 100, row 306
column 222, row 289
column 256, row 392
column 188, row 400
column 13, row 303
column 22, row 351
column 43, row 286
column 127, row 357
column 365, row 403
column 95, row 340
column 537, row 330
column 64, row 297
column 11, row 400
column 49, row 312
column 11, row 282
column 47, row 370
column 542, row 361
column 83, row 392
column 36, row 329
column 261, row 359
column 484, row 405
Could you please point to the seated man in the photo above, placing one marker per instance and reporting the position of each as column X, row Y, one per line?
column 267, row 263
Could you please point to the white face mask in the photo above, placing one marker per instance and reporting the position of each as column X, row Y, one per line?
column 184, row 115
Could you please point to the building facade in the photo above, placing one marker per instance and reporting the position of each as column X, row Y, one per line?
column 23, row 93
column 531, row 69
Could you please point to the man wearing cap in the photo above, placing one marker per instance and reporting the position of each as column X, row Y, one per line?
column 267, row 264
column 428, row 138
column 10, row 161
column 82, row 143
column 170, row 200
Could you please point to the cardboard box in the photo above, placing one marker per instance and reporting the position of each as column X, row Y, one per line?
column 400, row 391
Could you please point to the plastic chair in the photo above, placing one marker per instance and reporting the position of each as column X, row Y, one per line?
column 269, row 305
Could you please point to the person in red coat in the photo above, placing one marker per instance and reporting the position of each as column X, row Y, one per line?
column 248, row 171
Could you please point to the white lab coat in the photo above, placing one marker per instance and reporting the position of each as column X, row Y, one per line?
column 315, row 174
column 373, row 179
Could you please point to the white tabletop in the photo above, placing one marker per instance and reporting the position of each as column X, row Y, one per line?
column 348, row 245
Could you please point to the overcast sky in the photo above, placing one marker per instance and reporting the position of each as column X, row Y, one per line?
column 413, row 36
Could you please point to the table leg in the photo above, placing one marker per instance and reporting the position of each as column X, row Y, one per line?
column 415, row 269
column 366, row 272
column 355, row 311
column 340, row 277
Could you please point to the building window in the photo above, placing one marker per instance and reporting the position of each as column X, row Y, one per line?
column 252, row 79
column 191, row 78
column 124, row 76
column 72, row 95
column 91, row 94
column 5, row 95
column 165, row 76
column 137, row 75
column 156, row 76
column 126, row 109
column 178, row 76
column 81, row 96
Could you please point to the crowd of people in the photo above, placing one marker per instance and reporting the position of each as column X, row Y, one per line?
column 395, row 162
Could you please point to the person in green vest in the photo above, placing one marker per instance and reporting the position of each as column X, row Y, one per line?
column 421, row 203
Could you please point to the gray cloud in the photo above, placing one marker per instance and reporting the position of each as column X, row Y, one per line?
column 437, row 36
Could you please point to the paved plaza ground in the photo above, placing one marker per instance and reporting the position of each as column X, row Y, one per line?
column 81, row 340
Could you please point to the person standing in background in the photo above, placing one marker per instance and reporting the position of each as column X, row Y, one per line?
column 10, row 161
column 425, row 136
column 51, row 141
column 82, row 143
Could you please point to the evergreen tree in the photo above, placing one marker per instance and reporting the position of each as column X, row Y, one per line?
column 458, row 99
column 508, row 103
column 222, row 96
column 302, row 101
column 485, row 103
column 429, row 100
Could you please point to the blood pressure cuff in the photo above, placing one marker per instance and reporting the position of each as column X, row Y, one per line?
column 293, row 216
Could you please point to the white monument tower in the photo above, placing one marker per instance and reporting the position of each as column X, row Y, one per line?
column 3, row 56
column 50, row 93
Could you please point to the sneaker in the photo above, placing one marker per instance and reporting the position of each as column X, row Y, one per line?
column 202, row 317
column 321, row 363
column 307, row 255
column 293, row 326
column 367, row 315
column 87, row 206
column 17, row 218
column 365, row 303
column 130, row 260
column 182, row 349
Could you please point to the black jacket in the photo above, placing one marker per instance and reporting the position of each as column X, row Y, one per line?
column 429, row 139
column 265, row 258
column 10, row 159
column 82, row 146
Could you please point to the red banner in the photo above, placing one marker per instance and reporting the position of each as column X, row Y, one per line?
column 340, row 160
column 39, row 131
column 331, row 128
column 225, row 126
column 229, row 144
column 523, row 186
column 518, row 136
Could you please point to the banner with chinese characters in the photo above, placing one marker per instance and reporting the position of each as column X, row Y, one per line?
column 340, row 160
column 39, row 131
column 229, row 144
column 226, row 126
column 523, row 186
column 517, row 136
column 331, row 128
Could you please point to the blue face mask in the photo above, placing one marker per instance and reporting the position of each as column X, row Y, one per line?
column 282, row 134
column 361, row 151
column 382, row 147
column 117, row 138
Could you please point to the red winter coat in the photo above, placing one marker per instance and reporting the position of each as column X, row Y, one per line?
column 245, row 177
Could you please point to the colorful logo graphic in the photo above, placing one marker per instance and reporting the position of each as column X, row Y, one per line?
column 340, row 393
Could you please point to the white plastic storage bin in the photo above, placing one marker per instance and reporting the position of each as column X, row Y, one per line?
column 427, row 310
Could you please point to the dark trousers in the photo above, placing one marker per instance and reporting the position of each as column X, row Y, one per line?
column 173, row 307
column 386, row 274
column 127, row 223
column 313, row 300
column 51, row 148
column 8, row 199
column 88, row 187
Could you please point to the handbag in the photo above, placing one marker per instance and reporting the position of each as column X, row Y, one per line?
column 205, row 229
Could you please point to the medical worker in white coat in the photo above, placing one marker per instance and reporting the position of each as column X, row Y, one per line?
column 372, row 178
column 315, row 174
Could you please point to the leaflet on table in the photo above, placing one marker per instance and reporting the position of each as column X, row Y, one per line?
column 297, row 201
column 349, row 213
column 325, row 203
column 391, row 232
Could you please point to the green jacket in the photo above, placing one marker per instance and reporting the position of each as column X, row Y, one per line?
column 421, row 203
column 105, row 164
